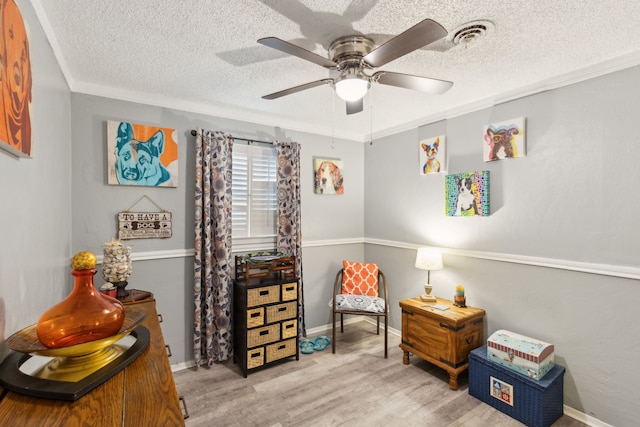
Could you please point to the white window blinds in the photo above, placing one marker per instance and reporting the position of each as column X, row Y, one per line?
column 253, row 198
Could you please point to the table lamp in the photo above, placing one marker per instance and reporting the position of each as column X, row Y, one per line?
column 428, row 259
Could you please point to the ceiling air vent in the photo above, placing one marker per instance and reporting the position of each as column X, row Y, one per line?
column 470, row 32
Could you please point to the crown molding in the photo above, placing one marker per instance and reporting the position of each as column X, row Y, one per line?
column 247, row 115
column 244, row 115
column 586, row 73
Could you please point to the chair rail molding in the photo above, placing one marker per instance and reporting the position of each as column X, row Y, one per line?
column 582, row 267
column 153, row 255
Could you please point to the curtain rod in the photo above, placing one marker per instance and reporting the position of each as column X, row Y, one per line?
column 194, row 133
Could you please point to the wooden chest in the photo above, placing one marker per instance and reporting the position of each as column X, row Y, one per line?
column 442, row 337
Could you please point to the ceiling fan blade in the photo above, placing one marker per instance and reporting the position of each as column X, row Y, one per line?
column 295, row 50
column 297, row 88
column 407, row 81
column 355, row 106
column 418, row 36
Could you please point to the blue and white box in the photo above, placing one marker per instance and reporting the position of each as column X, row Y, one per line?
column 529, row 356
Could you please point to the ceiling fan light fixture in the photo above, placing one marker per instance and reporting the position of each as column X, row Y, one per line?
column 352, row 87
column 351, row 55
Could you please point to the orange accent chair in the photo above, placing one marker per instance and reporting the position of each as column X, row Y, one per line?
column 360, row 289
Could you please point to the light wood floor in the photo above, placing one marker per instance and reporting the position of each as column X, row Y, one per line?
column 354, row 387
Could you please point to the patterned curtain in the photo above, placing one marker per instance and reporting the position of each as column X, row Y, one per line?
column 289, row 233
column 212, row 265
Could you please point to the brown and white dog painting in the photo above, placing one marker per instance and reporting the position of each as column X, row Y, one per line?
column 328, row 176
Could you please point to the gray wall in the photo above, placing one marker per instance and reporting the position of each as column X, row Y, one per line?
column 330, row 223
column 565, row 209
column 35, row 216
column 558, row 215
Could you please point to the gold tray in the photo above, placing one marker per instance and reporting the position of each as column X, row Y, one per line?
column 26, row 340
column 68, row 373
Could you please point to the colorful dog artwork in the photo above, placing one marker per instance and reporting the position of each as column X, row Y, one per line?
column 328, row 176
column 433, row 155
column 142, row 155
column 467, row 194
column 15, row 82
column 504, row 140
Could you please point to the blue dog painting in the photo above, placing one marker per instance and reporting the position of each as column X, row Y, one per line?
column 142, row 155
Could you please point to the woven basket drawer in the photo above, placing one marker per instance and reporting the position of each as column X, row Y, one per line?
column 255, row 357
column 289, row 291
column 275, row 313
column 264, row 295
column 289, row 328
column 255, row 317
column 261, row 336
column 281, row 350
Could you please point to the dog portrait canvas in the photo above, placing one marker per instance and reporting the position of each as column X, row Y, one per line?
column 433, row 155
column 504, row 140
column 327, row 175
column 467, row 194
column 141, row 155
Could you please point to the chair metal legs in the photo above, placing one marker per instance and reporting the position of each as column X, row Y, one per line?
column 385, row 335
column 333, row 334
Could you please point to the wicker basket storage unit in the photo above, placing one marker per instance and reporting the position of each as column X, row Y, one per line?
column 536, row 403
column 265, row 311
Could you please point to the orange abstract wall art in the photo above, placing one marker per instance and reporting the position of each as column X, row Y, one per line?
column 15, row 82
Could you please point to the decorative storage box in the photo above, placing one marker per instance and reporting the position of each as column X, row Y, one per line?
column 534, row 403
column 529, row 356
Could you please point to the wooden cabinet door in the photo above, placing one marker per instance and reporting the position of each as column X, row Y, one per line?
column 425, row 335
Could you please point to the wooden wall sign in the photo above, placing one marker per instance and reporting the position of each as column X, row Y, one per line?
column 144, row 225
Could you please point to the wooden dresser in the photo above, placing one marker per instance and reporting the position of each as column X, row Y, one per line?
column 441, row 337
column 142, row 394
column 265, row 313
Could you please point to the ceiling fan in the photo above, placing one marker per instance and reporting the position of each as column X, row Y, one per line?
column 352, row 56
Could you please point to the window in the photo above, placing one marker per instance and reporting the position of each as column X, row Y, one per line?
column 253, row 197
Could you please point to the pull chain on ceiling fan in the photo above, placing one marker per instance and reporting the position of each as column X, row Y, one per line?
column 351, row 56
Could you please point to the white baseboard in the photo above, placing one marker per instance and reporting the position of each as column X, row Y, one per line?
column 584, row 418
column 184, row 365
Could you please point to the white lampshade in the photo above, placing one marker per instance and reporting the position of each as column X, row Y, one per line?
column 352, row 88
column 429, row 259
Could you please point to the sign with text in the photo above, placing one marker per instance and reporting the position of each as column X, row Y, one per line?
column 144, row 225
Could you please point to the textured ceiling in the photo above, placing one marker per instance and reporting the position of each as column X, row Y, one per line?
column 202, row 55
